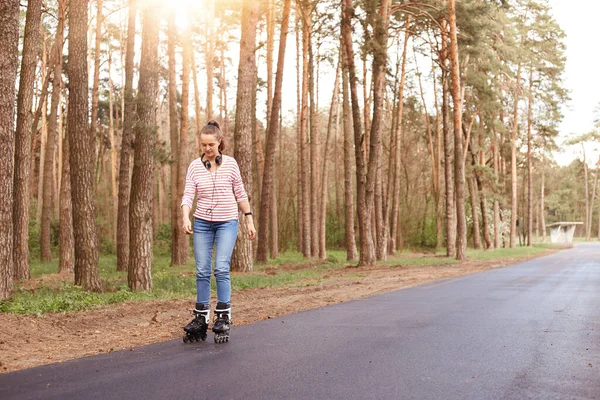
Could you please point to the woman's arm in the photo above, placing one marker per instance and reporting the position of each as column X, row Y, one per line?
column 187, row 223
column 245, row 207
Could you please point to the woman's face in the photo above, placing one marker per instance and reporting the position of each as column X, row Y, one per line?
column 209, row 145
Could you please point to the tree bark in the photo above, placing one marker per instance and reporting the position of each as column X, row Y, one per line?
column 530, row 161
column 66, row 259
column 323, row 200
column 96, row 84
column 209, row 57
column 272, row 135
column 312, row 167
column 140, row 213
column 81, row 145
column 129, row 119
column 244, row 120
column 304, row 169
column 9, row 59
column 22, row 140
column 513, row 159
column 351, row 251
column 46, row 252
column 183, row 156
column 448, row 151
column 367, row 253
column 177, row 234
column 475, row 214
column 459, row 167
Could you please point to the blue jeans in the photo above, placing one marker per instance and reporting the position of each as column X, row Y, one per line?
column 221, row 236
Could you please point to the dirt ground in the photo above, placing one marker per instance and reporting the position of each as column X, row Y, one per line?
column 31, row 340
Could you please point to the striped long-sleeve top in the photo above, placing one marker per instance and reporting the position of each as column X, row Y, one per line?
column 218, row 193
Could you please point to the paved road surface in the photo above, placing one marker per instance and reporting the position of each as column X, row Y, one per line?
column 531, row 330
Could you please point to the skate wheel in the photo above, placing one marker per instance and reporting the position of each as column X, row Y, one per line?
column 185, row 339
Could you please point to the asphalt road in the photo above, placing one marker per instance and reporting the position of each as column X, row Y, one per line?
column 527, row 331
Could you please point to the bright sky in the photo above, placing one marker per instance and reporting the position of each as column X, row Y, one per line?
column 577, row 18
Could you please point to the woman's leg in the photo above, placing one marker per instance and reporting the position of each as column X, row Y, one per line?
column 225, row 237
column 204, row 239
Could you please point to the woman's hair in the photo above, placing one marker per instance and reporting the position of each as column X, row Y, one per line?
column 213, row 128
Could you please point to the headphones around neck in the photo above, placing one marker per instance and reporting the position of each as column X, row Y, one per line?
column 207, row 164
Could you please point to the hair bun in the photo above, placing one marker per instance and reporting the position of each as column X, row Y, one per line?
column 214, row 123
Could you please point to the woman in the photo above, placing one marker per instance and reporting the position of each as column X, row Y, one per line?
column 216, row 181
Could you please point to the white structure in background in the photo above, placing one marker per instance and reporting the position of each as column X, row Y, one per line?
column 562, row 232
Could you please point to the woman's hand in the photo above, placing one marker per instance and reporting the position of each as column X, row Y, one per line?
column 187, row 226
column 251, row 229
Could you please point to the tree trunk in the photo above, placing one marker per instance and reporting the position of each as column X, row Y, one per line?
column 367, row 253
column 459, row 167
column 196, row 105
column 183, row 156
column 66, row 239
column 351, row 251
column 304, row 168
column 513, row 160
column 43, row 139
column 244, row 120
column 475, row 214
column 448, row 152
column 96, row 84
column 140, row 213
column 299, row 107
column 81, row 145
column 312, row 167
column 529, row 162
column 9, row 59
column 46, row 252
column 272, row 137
column 323, row 200
column 129, row 119
column 177, row 234
column 380, row 19
column 496, row 165
column 22, row 138
column 592, row 202
column 398, row 146
column 209, row 57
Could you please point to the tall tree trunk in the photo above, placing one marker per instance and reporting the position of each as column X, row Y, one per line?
column 459, row 167
column 129, row 118
column 140, row 213
column 592, row 202
column 209, row 57
column 46, row 252
column 304, row 168
column 66, row 248
column 96, row 84
column 9, row 59
column 380, row 18
column 323, row 200
column 244, row 120
column 22, row 138
column 398, row 145
column 529, row 161
column 299, row 129
column 113, row 149
column 474, row 214
column 177, row 234
column 448, row 150
column 513, row 160
column 367, row 253
column 43, row 139
column 587, row 189
column 272, row 136
column 81, row 145
column 196, row 105
column 351, row 251
column 313, row 164
column 183, row 157
column 496, row 165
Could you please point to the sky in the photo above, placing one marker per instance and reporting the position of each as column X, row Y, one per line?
column 578, row 18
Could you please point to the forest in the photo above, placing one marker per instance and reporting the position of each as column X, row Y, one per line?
column 368, row 126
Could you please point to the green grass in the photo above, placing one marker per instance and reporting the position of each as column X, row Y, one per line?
column 290, row 269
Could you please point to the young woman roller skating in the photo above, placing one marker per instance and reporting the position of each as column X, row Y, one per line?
column 215, row 180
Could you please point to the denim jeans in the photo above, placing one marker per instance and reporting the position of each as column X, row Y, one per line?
column 221, row 236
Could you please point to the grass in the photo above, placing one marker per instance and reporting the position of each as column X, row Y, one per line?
column 55, row 293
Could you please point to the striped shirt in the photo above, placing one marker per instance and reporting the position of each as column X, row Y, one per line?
column 216, row 192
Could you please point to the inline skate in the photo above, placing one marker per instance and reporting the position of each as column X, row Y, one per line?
column 196, row 330
column 222, row 323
